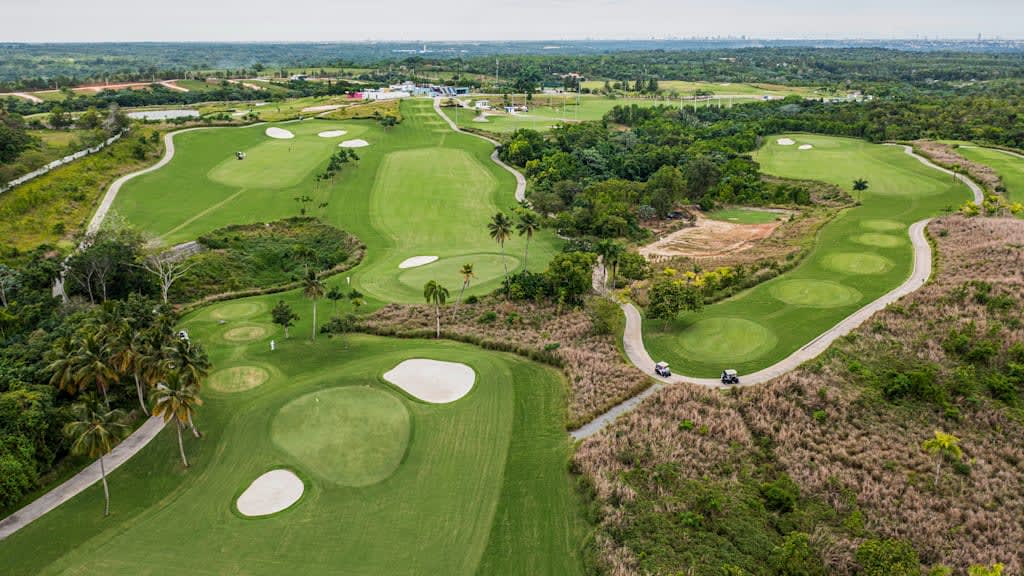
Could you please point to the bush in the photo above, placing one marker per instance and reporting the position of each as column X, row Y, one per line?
column 488, row 317
column 605, row 315
column 887, row 557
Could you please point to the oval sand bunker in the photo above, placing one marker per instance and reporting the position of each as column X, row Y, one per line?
column 279, row 133
column 332, row 133
column 272, row 492
column 417, row 261
column 785, row 141
column 432, row 380
column 354, row 144
column 806, row 146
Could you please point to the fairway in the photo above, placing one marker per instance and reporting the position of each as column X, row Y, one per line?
column 1009, row 167
column 418, row 189
column 862, row 254
column 393, row 485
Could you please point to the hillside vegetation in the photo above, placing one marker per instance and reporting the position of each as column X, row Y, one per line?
column 828, row 470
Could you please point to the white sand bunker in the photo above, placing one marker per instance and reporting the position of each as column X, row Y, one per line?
column 806, row 146
column 417, row 261
column 279, row 133
column 354, row 144
column 272, row 492
column 332, row 133
column 785, row 141
column 432, row 380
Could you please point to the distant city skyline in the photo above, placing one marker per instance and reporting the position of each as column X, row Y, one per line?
column 408, row 20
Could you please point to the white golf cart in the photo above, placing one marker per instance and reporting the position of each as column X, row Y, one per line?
column 661, row 369
column 730, row 377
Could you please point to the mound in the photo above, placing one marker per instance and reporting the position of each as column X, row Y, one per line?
column 858, row 263
column 238, row 379
column 236, row 310
column 354, row 143
column 432, row 380
column 880, row 240
column 279, row 133
column 352, row 436
column 806, row 146
column 332, row 133
column 726, row 340
column 245, row 333
column 815, row 293
column 785, row 142
column 883, row 225
column 272, row 492
column 417, row 261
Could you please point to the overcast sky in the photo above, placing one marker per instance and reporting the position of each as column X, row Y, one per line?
column 350, row 20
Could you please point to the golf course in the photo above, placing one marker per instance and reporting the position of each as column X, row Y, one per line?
column 1009, row 166
column 418, row 189
column 390, row 484
column 860, row 255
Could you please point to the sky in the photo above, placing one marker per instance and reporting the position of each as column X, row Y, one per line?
column 428, row 20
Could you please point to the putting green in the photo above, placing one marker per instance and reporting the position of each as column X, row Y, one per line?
column 236, row 310
column 860, row 255
column 419, row 189
column 486, row 268
column 881, row 240
column 237, row 379
column 815, row 293
column 351, row 436
column 245, row 333
column 727, row 340
column 857, row 263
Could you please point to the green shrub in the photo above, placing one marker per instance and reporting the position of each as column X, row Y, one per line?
column 887, row 558
column 488, row 317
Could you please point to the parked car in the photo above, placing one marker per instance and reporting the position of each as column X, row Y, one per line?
column 661, row 369
column 730, row 377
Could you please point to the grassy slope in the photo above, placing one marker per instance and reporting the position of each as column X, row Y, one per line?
column 755, row 329
column 1010, row 168
column 743, row 216
column 484, row 481
column 419, row 189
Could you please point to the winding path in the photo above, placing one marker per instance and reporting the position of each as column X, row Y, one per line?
column 520, row 179
column 633, row 341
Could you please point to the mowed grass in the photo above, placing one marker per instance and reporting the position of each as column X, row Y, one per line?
column 419, row 189
column 1009, row 167
column 745, row 216
column 481, row 485
column 724, row 88
column 862, row 254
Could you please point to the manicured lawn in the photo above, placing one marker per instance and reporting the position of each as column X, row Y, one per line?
column 1009, row 167
column 392, row 485
column 724, row 88
column 418, row 190
column 862, row 254
column 744, row 216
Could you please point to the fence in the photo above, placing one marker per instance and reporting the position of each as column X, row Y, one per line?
column 58, row 163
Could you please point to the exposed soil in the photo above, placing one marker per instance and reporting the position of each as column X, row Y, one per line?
column 709, row 238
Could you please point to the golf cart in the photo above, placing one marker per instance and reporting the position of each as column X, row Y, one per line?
column 240, row 155
column 730, row 377
column 661, row 369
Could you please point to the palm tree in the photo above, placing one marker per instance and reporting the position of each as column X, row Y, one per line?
column 467, row 277
column 174, row 399
column 92, row 363
column 94, row 435
column 128, row 354
column 500, row 228
column 528, row 223
column 334, row 295
column 189, row 363
column 437, row 295
column 313, row 289
column 610, row 251
column 860, row 185
column 940, row 446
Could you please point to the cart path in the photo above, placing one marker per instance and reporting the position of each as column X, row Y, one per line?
column 633, row 341
column 87, row 477
column 520, row 179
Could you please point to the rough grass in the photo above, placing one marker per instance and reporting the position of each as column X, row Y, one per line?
column 598, row 376
column 836, row 429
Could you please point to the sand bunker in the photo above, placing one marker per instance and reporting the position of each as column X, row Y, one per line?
column 785, row 142
column 354, row 144
column 332, row 133
column 324, row 108
column 432, row 380
column 710, row 238
column 806, row 146
column 279, row 133
column 270, row 493
column 417, row 261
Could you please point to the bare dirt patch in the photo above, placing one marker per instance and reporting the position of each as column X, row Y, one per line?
column 709, row 238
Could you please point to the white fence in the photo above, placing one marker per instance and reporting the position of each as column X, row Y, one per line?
column 58, row 163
